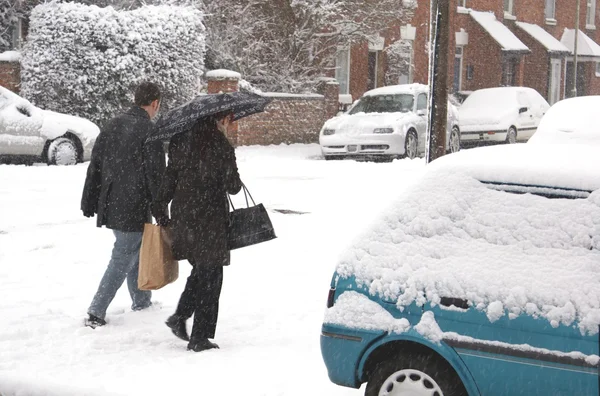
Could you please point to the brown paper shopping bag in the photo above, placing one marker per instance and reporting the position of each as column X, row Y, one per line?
column 157, row 266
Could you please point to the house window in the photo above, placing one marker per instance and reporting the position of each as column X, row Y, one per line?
column 373, row 69
column 508, row 6
column 342, row 70
column 509, row 72
column 550, row 9
column 462, row 3
column 591, row 13
column 16, row 34
column 597, row 69
column 458, row 69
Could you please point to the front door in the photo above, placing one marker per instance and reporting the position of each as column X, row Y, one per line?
column 554, row 86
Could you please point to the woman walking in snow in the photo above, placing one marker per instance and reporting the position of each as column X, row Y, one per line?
column 202, row 170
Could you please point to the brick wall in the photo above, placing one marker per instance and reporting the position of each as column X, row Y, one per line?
column 10, row 75
column 483, row 54
column 536, row 64
column 292, row 119
column 287, row 119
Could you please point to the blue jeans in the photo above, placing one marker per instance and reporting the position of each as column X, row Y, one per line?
column 124, row 263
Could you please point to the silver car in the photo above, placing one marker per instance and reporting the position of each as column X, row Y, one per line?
column 388, row 122
column 32, row 134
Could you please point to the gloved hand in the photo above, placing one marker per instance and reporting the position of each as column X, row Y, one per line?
column 163, row 221
column 88, row 213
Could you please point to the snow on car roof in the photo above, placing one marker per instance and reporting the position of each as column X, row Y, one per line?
column 508, row 254
column 571, row 121
column 397, row 89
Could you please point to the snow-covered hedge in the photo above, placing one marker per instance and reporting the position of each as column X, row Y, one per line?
column 86, row 60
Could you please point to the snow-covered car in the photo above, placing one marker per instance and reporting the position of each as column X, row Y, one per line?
column 483, row 273
column 503, row 114
column 570, row 121
column 31, row 133
column 387, row 122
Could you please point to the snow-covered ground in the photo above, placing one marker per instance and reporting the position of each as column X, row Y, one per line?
column 272, row 304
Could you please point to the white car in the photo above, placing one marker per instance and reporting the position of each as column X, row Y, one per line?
column 30, row 133
column 387, row 122
column 504, row 114
column 570, row 121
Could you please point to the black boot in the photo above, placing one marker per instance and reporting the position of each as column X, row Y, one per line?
column 202, row 345
column 177, row 326
column 94, row 321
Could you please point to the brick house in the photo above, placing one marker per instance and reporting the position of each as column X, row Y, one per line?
column 496, row 43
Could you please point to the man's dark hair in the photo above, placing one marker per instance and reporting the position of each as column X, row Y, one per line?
column 146, row 93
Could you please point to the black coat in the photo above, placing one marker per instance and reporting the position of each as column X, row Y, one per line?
column 202, row 170
column 123, row 174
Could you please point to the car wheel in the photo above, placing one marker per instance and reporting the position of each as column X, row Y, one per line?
column 511, row 136
column 414, row 374
column 62, row 151
column 455, row 140
column 411, row 145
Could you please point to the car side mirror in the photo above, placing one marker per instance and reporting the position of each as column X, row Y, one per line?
column 421, row 113
column 523, row 110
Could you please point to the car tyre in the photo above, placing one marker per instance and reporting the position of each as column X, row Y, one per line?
column 62, row 151
column 411, row 145
column 511, row 136
column 454, row 140
column 415, row 374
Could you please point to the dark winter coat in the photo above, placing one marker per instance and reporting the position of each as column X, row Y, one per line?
column 124, row 174
column 202, row 170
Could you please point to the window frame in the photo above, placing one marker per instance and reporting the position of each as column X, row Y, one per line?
column 547, row 14
column 511, row 5
column 346, row 83
column 590, row 15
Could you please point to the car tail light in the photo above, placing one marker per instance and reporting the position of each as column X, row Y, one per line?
column 331, row 297
column 491, row 133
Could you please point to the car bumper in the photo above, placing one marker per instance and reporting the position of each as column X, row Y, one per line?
column 483, row 134
column 364, row 145
column 342, row 351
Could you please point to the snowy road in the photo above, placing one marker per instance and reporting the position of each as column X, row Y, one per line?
column 272, row 304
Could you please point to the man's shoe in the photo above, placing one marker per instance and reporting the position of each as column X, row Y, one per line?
column 202, row 345
column 177, row 326
column 93, row 321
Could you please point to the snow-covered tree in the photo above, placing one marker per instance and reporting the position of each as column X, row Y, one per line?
column 286, row 45
column 9, row 12
column 86, row 60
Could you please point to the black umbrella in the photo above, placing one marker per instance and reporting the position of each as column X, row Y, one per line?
column 182, row 118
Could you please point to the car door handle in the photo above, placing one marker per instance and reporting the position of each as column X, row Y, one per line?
column 457, row 302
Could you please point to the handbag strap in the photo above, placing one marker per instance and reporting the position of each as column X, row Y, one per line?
column 246, row 195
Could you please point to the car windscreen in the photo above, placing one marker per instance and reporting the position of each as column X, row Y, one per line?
column 543, row 191
column 384, row 104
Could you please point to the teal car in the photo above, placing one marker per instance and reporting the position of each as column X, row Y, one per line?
column 482, row 279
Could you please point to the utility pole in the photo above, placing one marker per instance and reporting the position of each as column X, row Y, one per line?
column 574, row 92
column 438, row 78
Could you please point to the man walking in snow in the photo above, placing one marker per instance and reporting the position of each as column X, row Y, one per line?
column 123, row 176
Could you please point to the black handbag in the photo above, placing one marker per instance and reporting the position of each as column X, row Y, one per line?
column 250, row 225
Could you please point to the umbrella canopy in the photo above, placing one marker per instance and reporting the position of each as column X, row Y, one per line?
column 182, row 118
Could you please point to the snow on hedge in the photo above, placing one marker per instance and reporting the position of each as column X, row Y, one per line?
column 87, row 60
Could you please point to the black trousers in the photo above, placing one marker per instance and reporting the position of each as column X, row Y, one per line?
column 201, row 298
